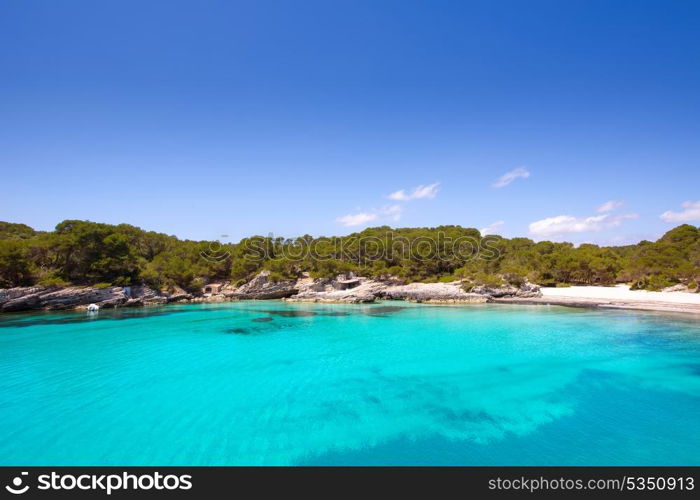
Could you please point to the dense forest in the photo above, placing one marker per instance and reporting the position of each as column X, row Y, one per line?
column 83, row 252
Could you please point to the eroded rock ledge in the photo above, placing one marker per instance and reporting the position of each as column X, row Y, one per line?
column 342, row 288
column 367, row 290
column 353, row 289
column 73, row 297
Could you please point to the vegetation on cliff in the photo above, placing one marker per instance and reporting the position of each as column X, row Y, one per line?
column 83, row 252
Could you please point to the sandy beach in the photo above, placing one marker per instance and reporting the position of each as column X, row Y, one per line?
column 619, row 296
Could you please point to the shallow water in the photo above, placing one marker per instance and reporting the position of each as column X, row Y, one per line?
column 392, row 383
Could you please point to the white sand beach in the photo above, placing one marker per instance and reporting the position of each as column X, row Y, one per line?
column 622, row 292
column 619, row 296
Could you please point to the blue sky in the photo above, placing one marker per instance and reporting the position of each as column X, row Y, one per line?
column 207, row 118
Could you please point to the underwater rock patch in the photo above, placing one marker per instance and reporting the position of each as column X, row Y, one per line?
column 238, row 331
column 289, row 314
column 48, row 318
column 383, row 311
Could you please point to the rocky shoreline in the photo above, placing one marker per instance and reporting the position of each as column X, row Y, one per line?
column 347, row 289
column 340, row 289
column 363, row 290
column 73, row 297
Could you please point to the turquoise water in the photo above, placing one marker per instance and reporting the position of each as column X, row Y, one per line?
column 392, row 383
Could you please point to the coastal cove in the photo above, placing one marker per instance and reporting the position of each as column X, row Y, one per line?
column 286, row 383
column 83, row 262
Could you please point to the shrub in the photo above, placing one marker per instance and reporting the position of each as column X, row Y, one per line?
column 447, row 279
column 53, row 282
column 275, row 276
column 483, row 279
column 121, row 281
column 653, row 283
column 514, row 279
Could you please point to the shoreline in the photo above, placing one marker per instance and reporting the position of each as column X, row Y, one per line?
column 362, row 291
column 602, row 304
column 616, row 297
column 572, row 302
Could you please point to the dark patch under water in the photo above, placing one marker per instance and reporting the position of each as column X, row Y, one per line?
column 694, row 368
column 21, row 319
column 239, row 331
column 382, row 311
column 263, row 326
column 378, row 311
column 288, row 314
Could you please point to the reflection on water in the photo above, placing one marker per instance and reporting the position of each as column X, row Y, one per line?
column 24, row 319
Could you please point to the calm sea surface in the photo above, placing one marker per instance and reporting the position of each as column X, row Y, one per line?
column 391, row 383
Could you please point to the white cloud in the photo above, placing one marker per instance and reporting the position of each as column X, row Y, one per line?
column 387, row 213
column 508, row 177
column 392, row 212
column 566, row 224
column 690, row 214
column 609, row 206
column 418, row 192
column 351, row 220
column 491, row 228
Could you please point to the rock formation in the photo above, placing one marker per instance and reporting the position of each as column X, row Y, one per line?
column 262, row 288
column 432, row 292
column 73, row 297
column 526, row 290
column 339, row 289
column 367, row 290
column 342, row 288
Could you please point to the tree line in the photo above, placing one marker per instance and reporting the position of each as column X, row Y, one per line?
column 89, row 253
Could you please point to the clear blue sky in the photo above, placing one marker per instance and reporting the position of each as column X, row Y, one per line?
column 201, row 118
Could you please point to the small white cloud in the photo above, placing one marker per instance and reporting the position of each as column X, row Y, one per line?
column 609, row 206
column 508, row 177
column 418, row 193
column 690, row 213
column 351, row 220
column 392, row 212
column 491, row 228
column 566, row 224
column 389, row 213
